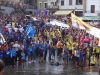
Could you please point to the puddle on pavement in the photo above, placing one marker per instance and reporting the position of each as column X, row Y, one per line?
column 41, row 72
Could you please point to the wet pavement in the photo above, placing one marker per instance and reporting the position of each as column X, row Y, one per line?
column 46, row 68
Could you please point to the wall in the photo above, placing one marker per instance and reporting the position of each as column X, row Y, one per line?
column 90, row 14
column 42, row 4
column 67, row 6
column 14, row 0
column 93, row 2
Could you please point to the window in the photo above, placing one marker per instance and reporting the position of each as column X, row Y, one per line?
column 45, row 5
column 62, row 2
column 40, row 5
column 70, row 2
column 79, row 2
column 52, row 3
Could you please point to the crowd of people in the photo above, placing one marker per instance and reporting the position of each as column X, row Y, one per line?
column 71, row 44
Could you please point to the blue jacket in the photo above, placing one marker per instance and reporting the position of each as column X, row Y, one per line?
column 12, row 53
column 6, row 54
column 1, row 55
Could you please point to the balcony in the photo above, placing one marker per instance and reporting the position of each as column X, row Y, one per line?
column 13, row 5
column 88, row 13
column 31, row 7
column 55, row 7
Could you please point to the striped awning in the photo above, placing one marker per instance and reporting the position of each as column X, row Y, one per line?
column 62, row 12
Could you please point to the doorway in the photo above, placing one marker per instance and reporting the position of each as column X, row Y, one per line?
column 92, row 8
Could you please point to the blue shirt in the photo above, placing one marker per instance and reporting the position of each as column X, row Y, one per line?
column 39, row 44
column 25, row 49
column 13, row 53
column 45, row 47
column 29, row 51
column 33, row 48
column 66, row 51
column 81, row 54
column 41, row 51
column 6, row 53
column 22, row 56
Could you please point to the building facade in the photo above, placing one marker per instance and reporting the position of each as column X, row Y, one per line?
column 92, row 8
column 73, row 5
column 42, row 4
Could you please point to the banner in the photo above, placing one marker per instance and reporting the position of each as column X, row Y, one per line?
column 59, row 23
column 38, row 12
column 45, row 13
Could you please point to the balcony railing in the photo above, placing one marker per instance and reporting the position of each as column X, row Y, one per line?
column 13, row 5
column 7, row 4
column 56, row 7
column 31, row 7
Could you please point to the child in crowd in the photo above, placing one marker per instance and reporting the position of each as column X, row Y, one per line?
column 13, row 56
column 7, row 57
column 65, row 56
column 92, row 63
column 23, row 57
column 41, row 50
column 29, row 54
column 34, row 51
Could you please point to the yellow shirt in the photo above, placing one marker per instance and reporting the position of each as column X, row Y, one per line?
column 59, row 33
column 69, row 46
column 34, row 38
column 93, row 60
column 52, row 34
column 76, row 44
column 97, row 50
column 13, row 24
column 70, row 38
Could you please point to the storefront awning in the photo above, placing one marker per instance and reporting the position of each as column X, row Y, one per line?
column 90, row 17
column 62, row 12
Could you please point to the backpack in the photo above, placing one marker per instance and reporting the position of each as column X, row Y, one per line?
column 57, row 64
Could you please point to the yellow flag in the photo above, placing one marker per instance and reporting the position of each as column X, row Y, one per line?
column 99, row 42
column 78, row 23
